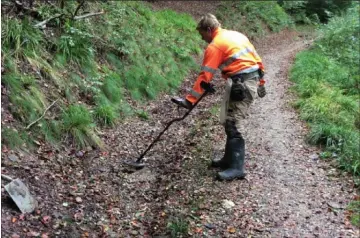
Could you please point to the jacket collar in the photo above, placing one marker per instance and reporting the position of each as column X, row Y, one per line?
column 216, row 32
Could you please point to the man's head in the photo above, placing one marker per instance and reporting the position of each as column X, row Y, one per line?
column 206, row 26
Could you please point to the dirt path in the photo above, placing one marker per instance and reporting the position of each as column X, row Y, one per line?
column 288, row 192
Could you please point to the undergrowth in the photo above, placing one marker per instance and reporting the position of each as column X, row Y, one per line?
column 327, row 80
column 99, row 61
column 254, row 18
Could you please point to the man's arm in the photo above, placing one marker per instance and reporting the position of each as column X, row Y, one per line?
column 212, row 59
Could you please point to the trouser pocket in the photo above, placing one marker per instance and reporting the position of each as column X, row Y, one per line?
column 238, row 92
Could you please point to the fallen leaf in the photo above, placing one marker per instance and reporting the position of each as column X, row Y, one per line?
column 13, row 220
column 45, row 220
column 231, row 230
column 22, row 217
column 86, row 234
column 5, row 150
column 32, row 234
column 45, row 235
column 78, row 216
column 15, row 236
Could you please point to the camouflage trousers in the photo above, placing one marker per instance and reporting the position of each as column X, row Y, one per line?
column 235, row 110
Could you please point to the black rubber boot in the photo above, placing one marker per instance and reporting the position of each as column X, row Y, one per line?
column 224, row 162
column 236, row 147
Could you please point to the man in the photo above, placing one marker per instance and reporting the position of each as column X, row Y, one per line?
column 236, row 57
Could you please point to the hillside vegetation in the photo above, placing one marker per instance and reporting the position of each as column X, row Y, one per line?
column 327, row 81
column 92, row 66
column 70, row 76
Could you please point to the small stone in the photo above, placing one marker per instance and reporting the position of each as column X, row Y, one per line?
column 227, row 204
column 209, row 226
column 78, row 199
column 79, row 154
column 314, row 157
column 335, row 205
column 133, row 232
column 13, row 158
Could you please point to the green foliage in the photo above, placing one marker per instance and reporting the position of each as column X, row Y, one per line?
column 340, row 42
column 354, row 208
column 11, row 137
column 325, row 9
column 142, row 114
column 105, row 114
column 51, row 129
column 112, row 88
column 314, row 11
column 178, row 227
column 297, row 11
column 78, row 123
column 18, row 35
column 327, row 82
column 75, row 45
column 248, row 14
column 29, row 100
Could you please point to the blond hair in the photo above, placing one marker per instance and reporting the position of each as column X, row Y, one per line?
column 208, row 21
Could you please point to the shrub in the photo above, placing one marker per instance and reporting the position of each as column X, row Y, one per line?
column 248, row 14
column 78, row 123
column 105, row 114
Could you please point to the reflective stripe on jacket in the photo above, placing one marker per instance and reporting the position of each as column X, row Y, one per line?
column 229, row 51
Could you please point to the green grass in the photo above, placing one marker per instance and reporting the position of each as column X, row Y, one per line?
column 327, row 82
column 142, row 114
column 11, row 137
column 78, row 123
column 19, row 35
column 105, row 114
column 253, row 18
column 142, row 53
column 354, row 208
column 178, row 227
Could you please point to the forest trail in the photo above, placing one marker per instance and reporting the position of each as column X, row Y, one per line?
column 289, row 191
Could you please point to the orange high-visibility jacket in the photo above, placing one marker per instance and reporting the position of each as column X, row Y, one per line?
column 229, row 51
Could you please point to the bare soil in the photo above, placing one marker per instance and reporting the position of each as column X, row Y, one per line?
column 288, row 192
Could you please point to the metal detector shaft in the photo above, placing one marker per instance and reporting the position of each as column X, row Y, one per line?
column 168, row 125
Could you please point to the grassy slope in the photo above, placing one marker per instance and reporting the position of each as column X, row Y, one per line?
column 93, row 67
column 327, row 81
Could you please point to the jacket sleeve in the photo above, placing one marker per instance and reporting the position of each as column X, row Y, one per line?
column 258, row 61
column 212, row 59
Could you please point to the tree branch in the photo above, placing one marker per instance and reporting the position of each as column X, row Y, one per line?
column 31, row 124
column 88, row 15
column 41, row 24
column 78, row 8
column 20, row 7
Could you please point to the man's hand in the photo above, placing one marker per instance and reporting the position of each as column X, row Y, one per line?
column 182, row 102
column 208, row 87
